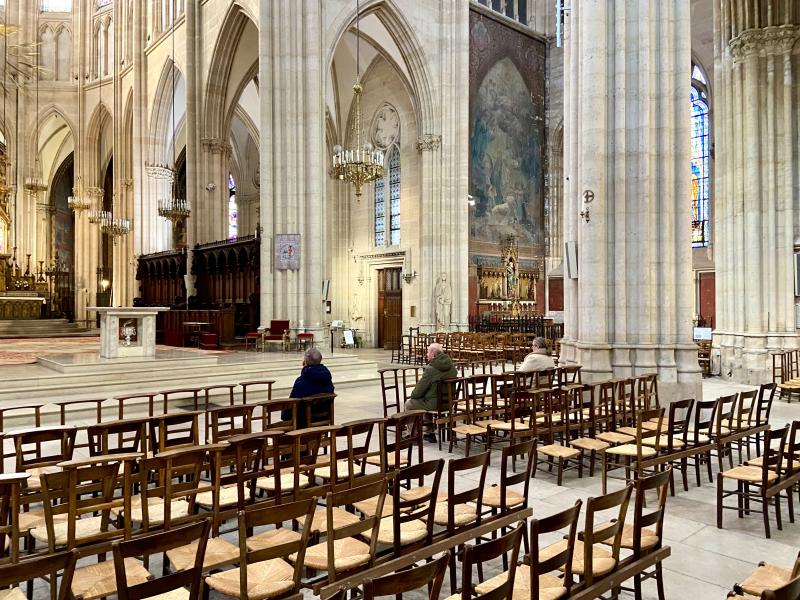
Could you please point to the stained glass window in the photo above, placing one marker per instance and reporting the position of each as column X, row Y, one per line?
column 380, row 212
column 701, row 164
column 394, row 197
column 56, row 5
column 233, row 210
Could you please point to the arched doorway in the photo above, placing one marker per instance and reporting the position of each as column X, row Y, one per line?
column 62, row 268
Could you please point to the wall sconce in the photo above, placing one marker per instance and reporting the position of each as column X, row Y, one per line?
column 409, row 277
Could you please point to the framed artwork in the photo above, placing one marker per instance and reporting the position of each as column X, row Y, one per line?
column 287, row 251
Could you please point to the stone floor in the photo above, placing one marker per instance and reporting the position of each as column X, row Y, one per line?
column 705, row 561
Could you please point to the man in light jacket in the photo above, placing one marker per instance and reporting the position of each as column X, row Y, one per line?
column 539, row 359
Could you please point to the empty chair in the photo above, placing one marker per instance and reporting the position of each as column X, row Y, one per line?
column 430, row 574
column 34, row 568
column 184, row 583
column 476, row 555
column 767, row 577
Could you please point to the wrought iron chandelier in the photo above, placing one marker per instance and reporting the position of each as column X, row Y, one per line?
column 361, row 164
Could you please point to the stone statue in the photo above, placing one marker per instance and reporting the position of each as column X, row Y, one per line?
column 511, row 279
column 442, row 301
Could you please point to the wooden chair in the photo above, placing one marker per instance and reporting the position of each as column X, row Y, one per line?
column 39, row 567
column 535, row 577
column 10, row 489
column 189, row 395
column 407, row 520
column 720, row 429
column 316, row 411
column 461, row 509
column 501, row 499
column 175, row 583
column 763, row 478
column 353, row 441
column 763, row 408
column 632, row 456
column 128, row 400
column 699, row 437
column 430, row 574
column 39, row 450
column 479, row 554
column 264, row 570
column 390, row 390
column 400, row 452
column 551, row 425
column 583, row 418
column 278, row 414
column 638, row 538
column 790, row 591
column 342, row 551
column 86, row 491
column 591, row 560
column 767, row 577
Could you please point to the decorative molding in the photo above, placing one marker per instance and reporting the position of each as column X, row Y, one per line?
column 766, row 41
column 429, row 141
column 127, row 183
column 216, row 146
column 385, row 126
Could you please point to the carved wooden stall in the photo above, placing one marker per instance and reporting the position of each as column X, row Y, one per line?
column 162, row 278
column 227, row 284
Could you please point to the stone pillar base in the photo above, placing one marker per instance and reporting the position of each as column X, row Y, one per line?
column 679, row 374
column 747, row 357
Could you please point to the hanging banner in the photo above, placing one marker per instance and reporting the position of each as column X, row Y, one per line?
column 287, row 251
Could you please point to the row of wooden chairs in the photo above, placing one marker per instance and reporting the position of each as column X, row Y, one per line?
column 786, row 373
column 466, row 346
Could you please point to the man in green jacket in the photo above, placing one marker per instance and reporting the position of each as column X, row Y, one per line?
column 423, row 396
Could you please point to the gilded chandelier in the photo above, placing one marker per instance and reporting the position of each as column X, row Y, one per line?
column 364, row 163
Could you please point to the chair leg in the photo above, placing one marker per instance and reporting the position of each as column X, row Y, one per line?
column 660, row 581
column 765, row 515
column 708, row 464
column 778, row 517
column 637, row 586
column 790, row 502
column 684, row 474
column 719, row 501
column 560, row 470
column 603, row 466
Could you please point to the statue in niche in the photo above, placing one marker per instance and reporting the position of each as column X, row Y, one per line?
column 442, row 301
column 511, row 278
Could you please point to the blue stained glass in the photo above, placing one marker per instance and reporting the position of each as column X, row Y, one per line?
column 394, row 196
column 701, row 158
column 233, row 210
column 380, row 211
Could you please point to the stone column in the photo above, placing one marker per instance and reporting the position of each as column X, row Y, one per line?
column 292, row 156
column 627, row 142
column 757, row 143
column 193, row 180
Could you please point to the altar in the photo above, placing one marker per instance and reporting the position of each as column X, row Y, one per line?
column 127, row 330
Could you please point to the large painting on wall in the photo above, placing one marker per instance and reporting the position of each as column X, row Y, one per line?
column 507, row 79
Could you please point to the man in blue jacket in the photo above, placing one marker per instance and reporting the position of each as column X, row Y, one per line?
column 315, row 378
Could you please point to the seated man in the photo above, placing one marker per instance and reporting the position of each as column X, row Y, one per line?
column 315, row 378
column 539, row 359
column 423, row 396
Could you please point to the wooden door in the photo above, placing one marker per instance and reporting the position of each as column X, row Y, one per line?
column 390, row 308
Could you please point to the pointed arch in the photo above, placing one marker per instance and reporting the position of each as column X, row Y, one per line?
column 161, row 118
column 387, row 12
column 217, row 114
column 97, row 155
column 45, row 113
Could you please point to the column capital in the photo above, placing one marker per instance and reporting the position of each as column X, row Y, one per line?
column 429, row 141
column 766, row 41
column 216, row 146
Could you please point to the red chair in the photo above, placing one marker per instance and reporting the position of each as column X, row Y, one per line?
column 278, row 331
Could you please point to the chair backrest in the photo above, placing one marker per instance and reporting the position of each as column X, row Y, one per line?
column 278, row 414
column 704, row 414
column 126, row 401
column 605, row 414
column 353, row 445
column 723, row 414
column 612, row 529
column 174, row 430
column 375, row 490
column 744, row 413
column 390, row 390
column 278, row 327
column 420, row 507
column 478, row 554
column 788, row 591
column 279, row 546
column 10, row 489
column 655, row 517
column 643, row 434
column 118, row 437
column 766, row 393
column 316, row 410
column 474, row 494
column 230, row 421
column 791, row 455
column 247, row 389
column 774, row 452
column 144, row 546
column 189, row 395
column 85, row 488
column 565, row 519
column 412, row 421
column 308, row 447
column 43, row 566
column 29, row 445
column 647, row 390
column 680, row 420
column 508, row 476
column 428, row 573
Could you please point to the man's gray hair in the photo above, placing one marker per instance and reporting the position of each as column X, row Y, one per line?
column 540, row 342
column 313, row 356
column 435, row 349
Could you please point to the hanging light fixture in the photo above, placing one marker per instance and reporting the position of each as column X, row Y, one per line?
column 172, row 208
column 361, row 164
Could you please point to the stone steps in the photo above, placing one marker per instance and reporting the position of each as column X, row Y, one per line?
column 43, row 328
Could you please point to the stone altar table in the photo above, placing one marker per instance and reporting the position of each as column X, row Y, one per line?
column 127, row 330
